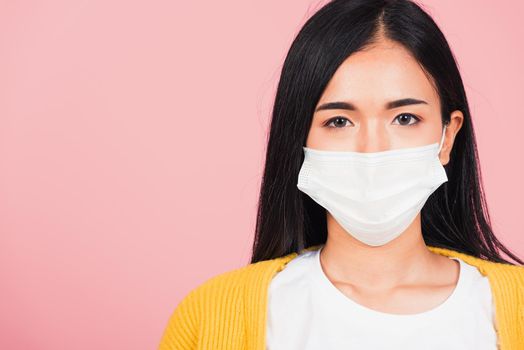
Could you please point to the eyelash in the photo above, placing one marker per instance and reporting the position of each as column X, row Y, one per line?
column 335, row 118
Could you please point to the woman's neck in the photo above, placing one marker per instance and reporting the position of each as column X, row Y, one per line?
column 404, row 260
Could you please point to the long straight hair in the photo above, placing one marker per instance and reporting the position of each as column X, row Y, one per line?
column 455, row 216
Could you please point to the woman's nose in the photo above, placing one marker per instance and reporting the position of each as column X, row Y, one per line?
column 372, row 139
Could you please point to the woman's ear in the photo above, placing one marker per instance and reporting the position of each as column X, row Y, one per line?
column 455, row 123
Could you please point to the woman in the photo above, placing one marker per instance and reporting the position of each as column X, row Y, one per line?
column 372, row 231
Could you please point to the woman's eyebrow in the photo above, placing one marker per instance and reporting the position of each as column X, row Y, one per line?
column 349, row 106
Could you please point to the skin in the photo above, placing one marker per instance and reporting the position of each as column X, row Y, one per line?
column 402, row 276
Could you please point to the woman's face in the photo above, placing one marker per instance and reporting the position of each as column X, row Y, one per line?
column 379, row 99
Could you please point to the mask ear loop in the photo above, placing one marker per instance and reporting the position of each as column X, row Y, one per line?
column 442, row 138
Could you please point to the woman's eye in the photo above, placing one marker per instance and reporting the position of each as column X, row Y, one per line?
column 404, row 119
column 337, row 122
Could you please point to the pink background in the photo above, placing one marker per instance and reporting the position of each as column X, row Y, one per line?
column 132, row 144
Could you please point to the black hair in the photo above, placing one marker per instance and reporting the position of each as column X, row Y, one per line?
column 455, row 216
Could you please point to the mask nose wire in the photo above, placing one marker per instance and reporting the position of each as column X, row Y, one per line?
column 442, row 138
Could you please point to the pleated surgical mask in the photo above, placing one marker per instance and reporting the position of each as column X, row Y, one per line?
column 373, row 196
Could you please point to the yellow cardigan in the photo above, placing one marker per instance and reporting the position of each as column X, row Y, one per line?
column 228, row 311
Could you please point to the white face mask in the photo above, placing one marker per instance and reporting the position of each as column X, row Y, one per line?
column 373, row 196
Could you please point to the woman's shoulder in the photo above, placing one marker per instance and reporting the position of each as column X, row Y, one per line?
column 229, row 282
column 508, row 279
column 505, row 274
column 249, row 275
column 495, row 270
column 218, row 298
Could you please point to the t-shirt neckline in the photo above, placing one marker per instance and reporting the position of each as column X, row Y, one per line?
column 329, row 290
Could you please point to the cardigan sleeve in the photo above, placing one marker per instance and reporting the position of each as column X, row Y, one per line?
column 181, row 332
column 211, row 316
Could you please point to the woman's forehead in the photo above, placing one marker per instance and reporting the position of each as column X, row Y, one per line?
column 379, row 74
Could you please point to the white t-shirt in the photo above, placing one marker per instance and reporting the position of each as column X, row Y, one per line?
column 306, row 311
